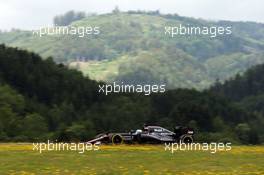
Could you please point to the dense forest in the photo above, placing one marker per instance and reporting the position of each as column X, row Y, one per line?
column 40, row 99
column 133, row 48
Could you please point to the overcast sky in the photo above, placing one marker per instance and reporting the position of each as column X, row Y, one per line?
column 29, row 14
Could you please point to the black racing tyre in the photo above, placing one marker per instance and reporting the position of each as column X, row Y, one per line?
column 186, row 139
column 138, row 138
column 117, row 139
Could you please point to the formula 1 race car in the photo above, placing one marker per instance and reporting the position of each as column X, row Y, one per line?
column 149, row 134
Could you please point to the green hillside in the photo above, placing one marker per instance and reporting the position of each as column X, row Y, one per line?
column 41, row 100
column 133, row 48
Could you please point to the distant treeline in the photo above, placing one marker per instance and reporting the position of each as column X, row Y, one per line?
column 69, row 17
column 42, row 100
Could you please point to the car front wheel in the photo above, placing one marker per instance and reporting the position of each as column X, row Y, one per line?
column 117, row 139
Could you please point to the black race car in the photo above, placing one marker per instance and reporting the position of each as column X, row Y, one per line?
column 149, row 134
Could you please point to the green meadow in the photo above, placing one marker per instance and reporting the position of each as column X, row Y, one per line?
column 130, row 159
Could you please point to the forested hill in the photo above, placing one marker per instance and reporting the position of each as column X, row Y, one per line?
column 251, row 83
column 247, row 90
column 132, row 47
column 42, row 100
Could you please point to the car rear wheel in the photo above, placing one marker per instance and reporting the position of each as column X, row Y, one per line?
column 187, row 139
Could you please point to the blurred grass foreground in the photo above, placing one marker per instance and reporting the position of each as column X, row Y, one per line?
column 130, row 159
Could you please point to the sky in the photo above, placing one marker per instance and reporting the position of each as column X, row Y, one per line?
column 32, row 14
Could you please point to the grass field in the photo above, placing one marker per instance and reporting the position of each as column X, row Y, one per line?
column 105, row 70
column 130, row 159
